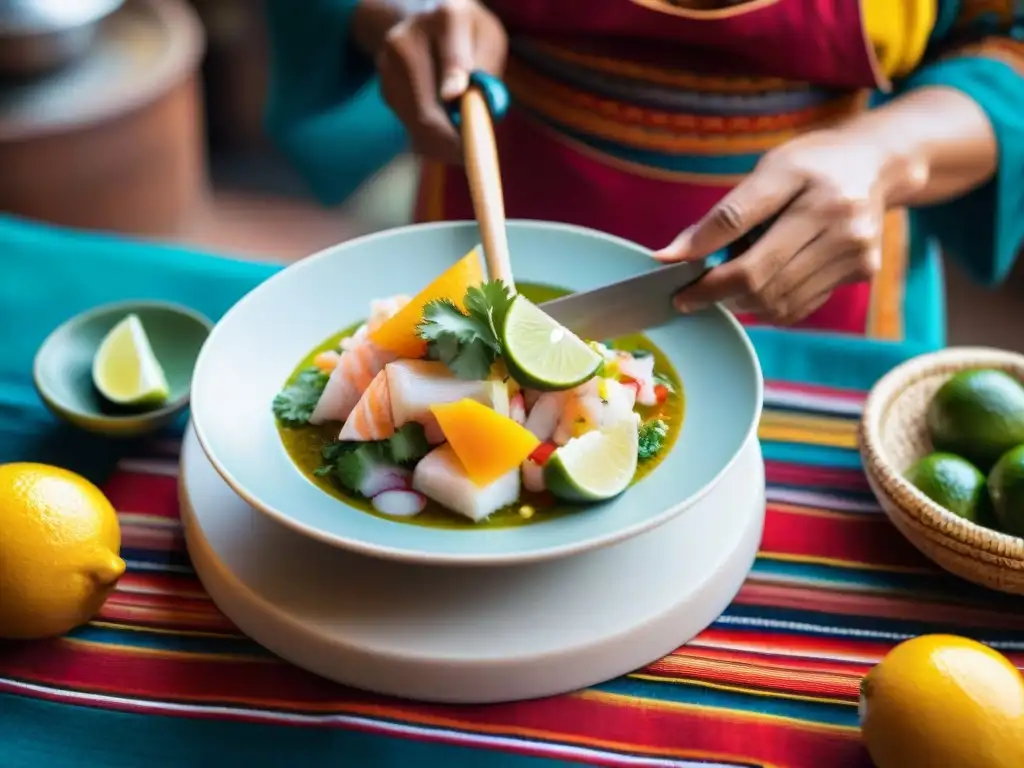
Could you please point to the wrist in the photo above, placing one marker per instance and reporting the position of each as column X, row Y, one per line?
column 900, row 166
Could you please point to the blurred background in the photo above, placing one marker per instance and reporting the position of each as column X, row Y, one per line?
column 145, row 117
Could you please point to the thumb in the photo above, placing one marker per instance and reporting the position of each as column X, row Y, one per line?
column 454, row 52
column 679, row 249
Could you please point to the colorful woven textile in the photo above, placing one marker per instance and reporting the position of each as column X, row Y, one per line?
column 161, row 678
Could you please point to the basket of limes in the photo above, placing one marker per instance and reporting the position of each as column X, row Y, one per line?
column 942, row 443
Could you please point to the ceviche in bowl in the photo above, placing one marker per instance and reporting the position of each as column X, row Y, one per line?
column 386, row 397
column 466, row 404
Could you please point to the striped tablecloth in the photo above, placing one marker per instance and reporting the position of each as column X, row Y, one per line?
column 162, row 678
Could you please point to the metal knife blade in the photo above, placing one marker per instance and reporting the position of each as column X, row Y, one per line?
column 645, row 301
column 628, row 306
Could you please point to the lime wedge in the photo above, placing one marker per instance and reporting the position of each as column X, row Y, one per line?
column 125, row 370
column 595, row 466
column 540, row 353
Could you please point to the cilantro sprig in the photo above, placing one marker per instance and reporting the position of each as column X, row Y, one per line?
column 469, row 342
column 652, row 439
column 294, row 404
column 348, row 463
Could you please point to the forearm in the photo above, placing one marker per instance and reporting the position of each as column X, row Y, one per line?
column 938, row 142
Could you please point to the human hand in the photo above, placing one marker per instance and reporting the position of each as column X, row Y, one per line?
column 825, row 195
column 426, row 59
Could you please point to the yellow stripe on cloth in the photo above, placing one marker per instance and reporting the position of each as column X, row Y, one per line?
column 784, row 427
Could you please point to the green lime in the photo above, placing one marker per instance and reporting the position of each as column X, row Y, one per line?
column 595, row 466
column 1006, row 487
column 979, row 415
column 540, row 353
column 953, row 483
column 125, row 370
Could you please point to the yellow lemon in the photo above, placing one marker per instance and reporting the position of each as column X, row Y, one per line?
column 940, row 701
column 59, row 542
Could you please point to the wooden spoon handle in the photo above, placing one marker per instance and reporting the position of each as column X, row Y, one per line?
column 484, row 174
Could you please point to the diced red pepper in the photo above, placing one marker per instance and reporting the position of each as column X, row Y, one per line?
column 660, row 393
column 629, row 381
column 542, row 453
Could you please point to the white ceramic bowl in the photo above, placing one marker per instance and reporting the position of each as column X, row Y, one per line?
column 258, row 343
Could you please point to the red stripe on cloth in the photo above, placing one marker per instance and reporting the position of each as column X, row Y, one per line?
column 141, row 493
column 851, row 395
column 163, row 584
column 825, row 478
column 587, row 719
column 911, row 607
column 789, row 681
column 154, row 539
column 787, row 646
column 854, row 539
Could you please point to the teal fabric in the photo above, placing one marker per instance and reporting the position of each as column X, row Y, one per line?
column 40, row 734
column 325, row 111
column 48, row 275
column 984, row 229
column 946, row 14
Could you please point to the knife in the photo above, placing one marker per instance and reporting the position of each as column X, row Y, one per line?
column 627, row 306
column 640, row 302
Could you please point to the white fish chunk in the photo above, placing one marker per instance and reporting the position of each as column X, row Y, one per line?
column 355, row 370
column 440, row 476
column 382, row 310
column 545, row 414
column 593, row 405
column 415, row 385
column 641, row 370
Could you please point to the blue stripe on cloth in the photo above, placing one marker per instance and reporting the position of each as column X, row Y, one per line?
column 811, row 455
column 716, row 698
column 758, row 619
column 672, row 99
column 96, row 737
column 705, row 165
column 168, row 641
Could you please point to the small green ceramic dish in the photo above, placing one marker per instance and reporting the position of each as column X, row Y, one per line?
column 62, row 371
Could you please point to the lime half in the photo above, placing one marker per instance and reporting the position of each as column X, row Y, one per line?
column 540, row 353
column 595, row 466
column 125, row 370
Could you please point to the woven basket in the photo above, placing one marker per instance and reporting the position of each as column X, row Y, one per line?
column 893, row 435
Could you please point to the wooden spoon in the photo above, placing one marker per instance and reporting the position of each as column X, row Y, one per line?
column 484, row 174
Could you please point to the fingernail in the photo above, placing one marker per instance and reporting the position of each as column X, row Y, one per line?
column 688, row 306
column 454, row 84
column 675, row 250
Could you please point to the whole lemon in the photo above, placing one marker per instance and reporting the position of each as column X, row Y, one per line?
column 59, row 542
column 940, row 701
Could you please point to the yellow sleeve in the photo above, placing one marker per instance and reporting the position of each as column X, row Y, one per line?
column 899, row 30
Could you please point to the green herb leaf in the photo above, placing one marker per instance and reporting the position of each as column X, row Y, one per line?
column 294, row 404
column 330, row 453
column 489, row 303
column 443, row 320
column 350, row 467
column 467, row 344
column 473, row 361
column 348, row 462
column 652, row 439
column 408, row 444
column 665, row 381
